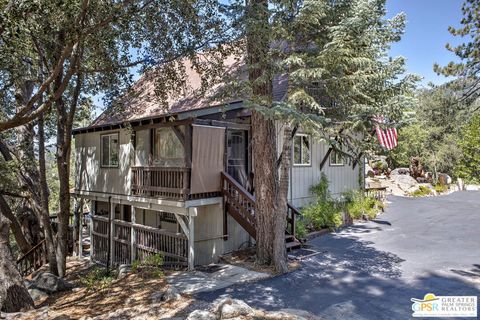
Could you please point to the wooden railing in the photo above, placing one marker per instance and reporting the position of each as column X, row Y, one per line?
column 150, row 241
column 144, row 240
column 99, row 239
column 171, row 183
column 33, row 259
column 379, row 193
column 239, row 203
column 292, row 213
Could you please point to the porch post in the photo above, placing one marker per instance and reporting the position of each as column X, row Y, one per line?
column 192, row 212
column 76, row 252
column 80, row 230
column 132, row 235
column 112, row 217
column 92, row 213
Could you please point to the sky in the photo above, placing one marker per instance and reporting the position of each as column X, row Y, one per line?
column 426, row 34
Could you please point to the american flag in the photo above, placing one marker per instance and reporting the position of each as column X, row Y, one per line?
column 386, row 137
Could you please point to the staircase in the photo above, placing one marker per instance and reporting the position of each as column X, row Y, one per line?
column 240, row 204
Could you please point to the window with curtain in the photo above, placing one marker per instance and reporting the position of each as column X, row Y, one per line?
column 109, row 146
column 167, row 145
column 301, row 150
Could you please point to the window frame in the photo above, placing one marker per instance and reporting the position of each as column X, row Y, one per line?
column 332, row 164
column 301, row 164
column 155, row 141
column 102, row 165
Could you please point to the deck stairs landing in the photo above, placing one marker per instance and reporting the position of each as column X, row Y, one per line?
column 240, row 204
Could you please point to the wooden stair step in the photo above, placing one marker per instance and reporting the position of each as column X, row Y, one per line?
column 293, row 245
column 289, row 238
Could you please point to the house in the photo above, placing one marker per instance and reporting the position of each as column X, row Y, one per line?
column 177, row 180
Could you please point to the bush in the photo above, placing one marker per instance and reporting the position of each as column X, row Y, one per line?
column 357, row 205
column 421, row 192
column 300, row 229
column 440, row 188
column 467, row 166
column 97, row 279
column 150, row 265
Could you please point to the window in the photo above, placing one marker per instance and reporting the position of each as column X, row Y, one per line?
column 301, row 150
column 336, row 158
column 109, row 150
column 167, row 145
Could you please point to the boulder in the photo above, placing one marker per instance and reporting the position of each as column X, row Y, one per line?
column 369, row 171
column 50, row 283
column 444, row 179
column 37, row 294
column 235, row 308
column 405, row 182
column 123, row 271
column 201, row 315
column 171, row 294
column 398, row 171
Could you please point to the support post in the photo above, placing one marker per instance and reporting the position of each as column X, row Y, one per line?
column 80, row 232
column 192, row 212
column 76, row 223
column 132, row 235
column 92, row 213
column 112, row 217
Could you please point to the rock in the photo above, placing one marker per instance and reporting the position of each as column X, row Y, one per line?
column 37, row 294
column 235, row 308
column 444, row 179
column 398, row 171
column 405, row 182
column 171, row 294
column 123, row 271
column 472, row 187
column 369, row 171
column 201, row 315
column 50, row 283
column 422, row 180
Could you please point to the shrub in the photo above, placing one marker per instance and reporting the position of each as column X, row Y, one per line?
column 357, row 205
column 421, row 192
column 440, row 188
column 149, row 265
column 300, row 229
column 97, row 279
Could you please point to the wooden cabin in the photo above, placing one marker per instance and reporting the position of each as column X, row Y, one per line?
column 179, row 180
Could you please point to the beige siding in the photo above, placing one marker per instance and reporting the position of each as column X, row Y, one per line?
column 341, row 178
column 90, row 176
column 209, row 243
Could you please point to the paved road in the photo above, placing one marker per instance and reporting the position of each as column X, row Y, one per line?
column 371, row 270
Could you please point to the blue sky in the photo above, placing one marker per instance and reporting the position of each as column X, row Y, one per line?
column 426, row 34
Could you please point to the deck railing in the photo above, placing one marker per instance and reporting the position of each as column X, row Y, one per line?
column 171, row 182
column 33, row 259
column 133, row 241
column 379, row 193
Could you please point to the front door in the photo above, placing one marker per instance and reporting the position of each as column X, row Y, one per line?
column 237, row 156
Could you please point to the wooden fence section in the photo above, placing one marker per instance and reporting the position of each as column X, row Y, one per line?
column 239, row 203
column 144, row 240
column 99, row 239
column 33, row 259
column 379, row 193
column 167, row 182
column 150, row 241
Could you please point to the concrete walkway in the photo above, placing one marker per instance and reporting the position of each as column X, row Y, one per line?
column 225, row 276
column 371, row 270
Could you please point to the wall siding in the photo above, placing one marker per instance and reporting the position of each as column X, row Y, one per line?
column 90, row 176
column 341, row 178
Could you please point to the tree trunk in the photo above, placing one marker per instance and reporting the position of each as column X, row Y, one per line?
column 15, row 226
column 14, row 297
column 44, row 195
column 265, row 180
column 279, row 252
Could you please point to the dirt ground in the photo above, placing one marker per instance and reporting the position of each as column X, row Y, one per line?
column 126, row 298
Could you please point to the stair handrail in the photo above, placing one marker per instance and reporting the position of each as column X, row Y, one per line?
column 238, row 186
column 291, row 220
column 40, row 249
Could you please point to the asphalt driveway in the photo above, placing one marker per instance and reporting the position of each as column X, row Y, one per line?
column 371, row 270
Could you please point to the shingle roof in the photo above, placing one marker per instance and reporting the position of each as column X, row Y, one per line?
column 142, row 102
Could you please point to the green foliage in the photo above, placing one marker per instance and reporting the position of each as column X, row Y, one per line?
column 421, row 192
column 440, row 188
column 467, row 51
column 97, row 279
column 357, row 205
column 326, row 212
column 300, row 229
column 149, row 265
column 468, row 167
